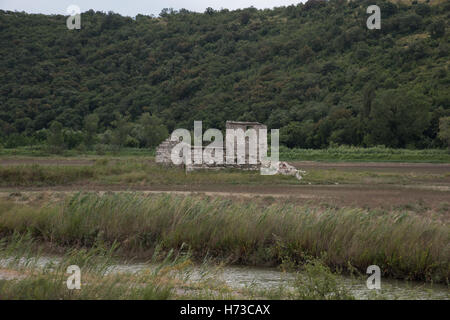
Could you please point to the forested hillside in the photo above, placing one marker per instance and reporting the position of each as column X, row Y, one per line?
column 313, row 70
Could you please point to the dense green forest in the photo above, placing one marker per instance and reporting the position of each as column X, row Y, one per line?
column 313, row 70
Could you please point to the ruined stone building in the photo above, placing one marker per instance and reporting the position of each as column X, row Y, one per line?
column 251, row 161
column 248, row 160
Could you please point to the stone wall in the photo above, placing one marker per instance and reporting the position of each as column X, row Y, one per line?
column 249, row 157
column 164, row 150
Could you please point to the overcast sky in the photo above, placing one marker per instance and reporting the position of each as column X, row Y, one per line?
column 133, row 7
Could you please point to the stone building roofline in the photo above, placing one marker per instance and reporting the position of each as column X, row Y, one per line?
column 243, row 123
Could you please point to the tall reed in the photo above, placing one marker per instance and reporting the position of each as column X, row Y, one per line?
column 403, row 245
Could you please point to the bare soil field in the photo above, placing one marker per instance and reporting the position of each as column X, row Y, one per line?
column 376, row 196
column 431, row 194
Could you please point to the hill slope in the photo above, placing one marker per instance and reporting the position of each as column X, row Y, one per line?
column 313, row 70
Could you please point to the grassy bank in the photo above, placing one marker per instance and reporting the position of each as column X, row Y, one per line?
column 405, row 246
column 130, row 172
column 342, row 153
column 41, row 151
column 375, row 154
column 135, row 171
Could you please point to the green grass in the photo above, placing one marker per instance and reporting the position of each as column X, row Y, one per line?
column 342, row 153
column 144, row 171
column 42, row 151
column 406, row 246
column 52, row 286
column 357, row 154
column 129, row 171
column 36, row 175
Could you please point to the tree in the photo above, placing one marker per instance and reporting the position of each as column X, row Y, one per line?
column 55, row 138
column 297, row 134
column 398, row 118
column 444, row 130
column 250, row 65
column 90, row 128
column 121, row 131
column 410, row 22
column 368, row 96
column 437, row 29
column 210, row 11
column 151, row 130
column 72, row 138
column 423, row 9
column 306, row 54
column 245, row 18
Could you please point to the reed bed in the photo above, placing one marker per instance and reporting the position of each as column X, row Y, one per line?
column 35, row 280
column 166, row 279
column 406, row 246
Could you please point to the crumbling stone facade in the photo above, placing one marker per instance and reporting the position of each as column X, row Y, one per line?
column 251, row 161
column 164, row 151
column 250, row 158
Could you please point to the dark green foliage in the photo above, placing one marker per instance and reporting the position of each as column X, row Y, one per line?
column 314, row 70
column 423, row 9
column 437, row 29
column 121, row 131
column 55, row 138
column 90, row 128
column 398, row 118
column 150, row 130
column 444, row 130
